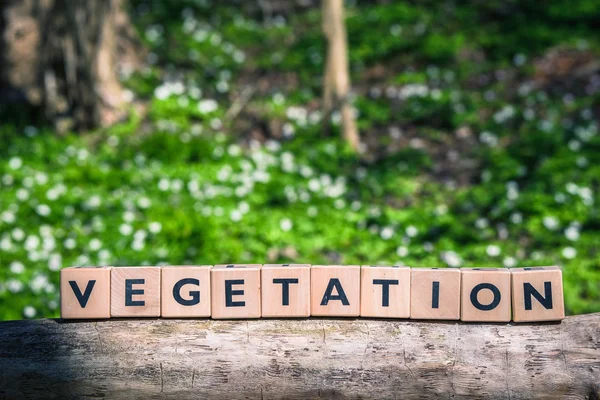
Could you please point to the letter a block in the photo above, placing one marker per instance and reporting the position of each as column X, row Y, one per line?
column 85, row 292
column 485, row 295
column 285, row 290
column 385, row 292
column 135, row 292
column 335, row 290
column 235, row 291
column 185, row 291
column 435, row 293
column 537, row 294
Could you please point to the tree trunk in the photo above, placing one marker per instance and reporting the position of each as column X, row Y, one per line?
column 299, row 359
column 61, row 56
column 337, row 77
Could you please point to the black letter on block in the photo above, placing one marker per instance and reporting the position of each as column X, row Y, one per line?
column 195, row 294
column 129, row 292
column 494, row 302
column 435, row 295
column 385, row 289
column 334, row 283
column 285, row 289
column 529, row 290
column 229, row 293
column 82, row 298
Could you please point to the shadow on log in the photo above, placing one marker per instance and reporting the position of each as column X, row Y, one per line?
column 313, row 358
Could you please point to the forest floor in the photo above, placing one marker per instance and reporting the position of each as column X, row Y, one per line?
column 479, row 124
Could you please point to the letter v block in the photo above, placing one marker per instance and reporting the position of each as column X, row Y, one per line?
column 85, row 292
column 285, row 290
column 335, row 290
column 235, row 291
column 385, row 291
column 537, row 294
column 185, row 291
column 135, row 292
column 485, row 294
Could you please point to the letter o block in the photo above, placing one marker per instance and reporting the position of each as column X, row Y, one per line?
column 135, row 292
column 485, row 295
column 335, row 290
column 85, row 292
column 285, row 290
column 537, row 294
column 185, row 291
column 235, row 291
column 385, row 291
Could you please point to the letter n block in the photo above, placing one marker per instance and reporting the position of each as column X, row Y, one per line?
column 85, row 292
column 135, row 292
column 285, row 290
column 385, row 291
column 235, row 291
column 185, row 291
column 335, row 290
column 537, row 294
column 435, row 293
column 485, row 295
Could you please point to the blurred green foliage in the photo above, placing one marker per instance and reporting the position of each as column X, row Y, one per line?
column 476, row 155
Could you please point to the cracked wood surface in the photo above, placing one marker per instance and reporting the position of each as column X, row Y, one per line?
column 310, row 358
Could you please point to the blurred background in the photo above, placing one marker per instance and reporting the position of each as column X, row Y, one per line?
column 441, row 133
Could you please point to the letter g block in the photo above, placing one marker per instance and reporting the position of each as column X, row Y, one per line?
column 185, row 291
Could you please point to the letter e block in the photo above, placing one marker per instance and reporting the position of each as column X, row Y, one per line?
column 135, row 292
column 185, row 291
column 285, row 290
column 85, row 292
column 385, row 291
column 485, row 295
column 435, row 293
column 235, row 291
column 537, row 294
column 335, row 290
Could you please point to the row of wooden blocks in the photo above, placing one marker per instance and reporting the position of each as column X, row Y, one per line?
column 301, row 290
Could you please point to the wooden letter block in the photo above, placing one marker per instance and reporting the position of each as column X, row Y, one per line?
column 335, row 290
column 286, row 290
column 385, row 291
column 235, row 291
column 85, row 292
column 537, row 294
column 485, row 295
column 135, row 292
column 435, row 293
column 185, row 291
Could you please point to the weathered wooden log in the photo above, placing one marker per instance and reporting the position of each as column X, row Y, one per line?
column 300, row 359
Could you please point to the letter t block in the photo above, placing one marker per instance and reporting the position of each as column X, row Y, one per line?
column 235, row 291
column 537, row 294
column 285, row 290
column 385, row 291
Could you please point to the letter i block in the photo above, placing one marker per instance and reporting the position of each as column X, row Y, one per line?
column 335, row 290
column 385, row 292
column 185, row 291
column 235, row 291
column 485, row 295
column 85, row 292
column 135, row 292
column 285, row 290
column 435, row 293
column 537, row 294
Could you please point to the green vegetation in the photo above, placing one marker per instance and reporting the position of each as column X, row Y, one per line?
column 480, row 123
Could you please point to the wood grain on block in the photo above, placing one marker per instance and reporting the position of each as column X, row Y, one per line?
column 385, row 291
column 537, row 294
column 135, row 292
column 285, row 290
column 235, row 291
column 185, row 291
column 485, row 295
column 335, row 290
column 85, row 292
column 435, row 293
